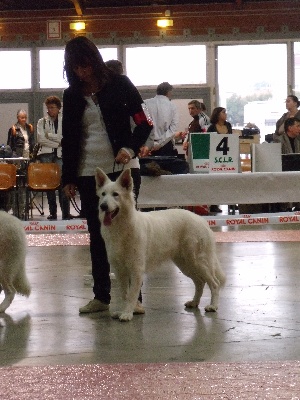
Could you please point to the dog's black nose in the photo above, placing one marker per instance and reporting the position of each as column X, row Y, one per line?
column 104, row 206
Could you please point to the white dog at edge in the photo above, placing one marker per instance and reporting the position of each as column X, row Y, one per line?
column 138, row 242
column 13, row 247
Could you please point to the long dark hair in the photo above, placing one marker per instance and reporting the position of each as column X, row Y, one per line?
column 215, row 114
column 80, row 51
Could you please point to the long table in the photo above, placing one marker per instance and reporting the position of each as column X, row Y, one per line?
column 14, row 159
column 194, row 189
column 225, row 188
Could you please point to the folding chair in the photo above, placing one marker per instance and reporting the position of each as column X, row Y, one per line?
column 8, row 181
column 41, row 177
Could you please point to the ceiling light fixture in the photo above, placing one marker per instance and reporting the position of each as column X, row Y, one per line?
column 77, row 26
column 165, row 22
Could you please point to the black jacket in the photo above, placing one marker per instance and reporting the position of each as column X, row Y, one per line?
column 213, row 128
column 118, row 100
column 16, row 140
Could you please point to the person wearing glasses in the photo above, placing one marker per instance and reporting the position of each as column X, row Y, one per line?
column 49, row 135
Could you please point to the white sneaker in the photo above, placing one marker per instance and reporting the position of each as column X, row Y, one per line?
column 94, row 305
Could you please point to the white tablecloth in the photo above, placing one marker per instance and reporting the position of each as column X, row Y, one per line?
column 227, row 188
column 14, row 159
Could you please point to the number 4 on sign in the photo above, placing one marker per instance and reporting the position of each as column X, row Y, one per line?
column 223, row 146
column 224, row 153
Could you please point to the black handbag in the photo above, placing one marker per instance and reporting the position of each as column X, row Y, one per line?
column 5, row 151
column 163, row 165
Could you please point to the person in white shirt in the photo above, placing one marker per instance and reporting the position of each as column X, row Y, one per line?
column 165, row 121
column 49, row 135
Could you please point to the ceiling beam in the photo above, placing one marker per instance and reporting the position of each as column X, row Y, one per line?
column 79, row 7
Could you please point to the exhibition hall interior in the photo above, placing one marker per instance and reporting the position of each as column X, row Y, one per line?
column 240, row 58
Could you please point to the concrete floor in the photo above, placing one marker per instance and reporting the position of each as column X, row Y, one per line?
column 249, row 349
column 258, row 317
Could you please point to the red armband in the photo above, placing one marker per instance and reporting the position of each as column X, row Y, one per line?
column 139, row 118
column 143, row 116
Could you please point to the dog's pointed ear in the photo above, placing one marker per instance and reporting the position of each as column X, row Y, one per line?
column 101, row 178
column 125, row 179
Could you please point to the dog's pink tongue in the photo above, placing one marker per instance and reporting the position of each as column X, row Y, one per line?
column 107, row 219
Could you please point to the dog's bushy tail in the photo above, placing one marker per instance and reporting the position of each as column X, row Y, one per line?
column 21, row 283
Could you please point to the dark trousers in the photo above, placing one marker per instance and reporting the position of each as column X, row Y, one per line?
column 64, row 202
column 90, row 204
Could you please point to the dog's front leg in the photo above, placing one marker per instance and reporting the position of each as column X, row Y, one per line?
column 123, row 283
column 136, row 280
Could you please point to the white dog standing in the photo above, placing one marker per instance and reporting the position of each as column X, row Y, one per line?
column 138, row 242
column 13, row 246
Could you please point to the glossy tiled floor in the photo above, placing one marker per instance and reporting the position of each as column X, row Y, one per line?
column 257, row 327
column 258, row 317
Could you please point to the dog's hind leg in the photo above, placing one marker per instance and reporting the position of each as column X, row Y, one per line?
column 213, row 306
column 199, row 286
column 215, row 281
column 9, row 292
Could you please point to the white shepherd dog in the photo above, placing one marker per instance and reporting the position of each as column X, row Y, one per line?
column 138, row 242
column 13, row 247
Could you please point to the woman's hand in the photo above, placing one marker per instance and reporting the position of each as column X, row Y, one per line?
column 185, row 145
column 70, row 190
column 144, row 151
column 122, row 157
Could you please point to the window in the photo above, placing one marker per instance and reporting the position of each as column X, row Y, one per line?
column 252, row 83
column 15, row 69
column 178, row 65
column 297, row 68
column 52, row 66
column 52, row 69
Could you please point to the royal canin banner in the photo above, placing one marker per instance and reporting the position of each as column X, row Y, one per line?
column 79, row 226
